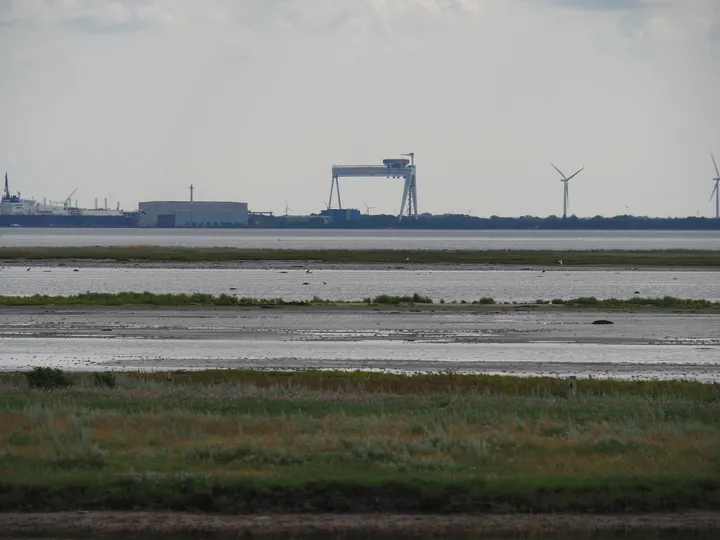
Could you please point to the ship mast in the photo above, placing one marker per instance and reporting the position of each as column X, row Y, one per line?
column 6, row 195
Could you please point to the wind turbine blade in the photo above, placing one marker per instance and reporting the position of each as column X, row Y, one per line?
column 713, row 192
column 574, row 175
column 714, row 163
column 558, row 170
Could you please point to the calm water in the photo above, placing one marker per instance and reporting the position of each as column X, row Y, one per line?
column 510, row 285
column 367, row 239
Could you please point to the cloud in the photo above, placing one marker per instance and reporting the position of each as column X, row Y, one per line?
column 656, row 20
column 661, row 21
column 611, row 4
column 309, row 15
column 106, row 15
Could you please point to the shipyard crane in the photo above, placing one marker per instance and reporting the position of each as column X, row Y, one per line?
column 68, row 202
column 391, row 168
column 411, row 155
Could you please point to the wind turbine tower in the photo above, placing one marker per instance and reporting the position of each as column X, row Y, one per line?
column 566, row 194
column 716, row 189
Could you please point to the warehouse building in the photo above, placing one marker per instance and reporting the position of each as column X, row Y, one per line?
column 198, row 214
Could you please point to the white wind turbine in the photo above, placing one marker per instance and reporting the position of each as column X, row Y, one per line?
column 716, row 189
column 566, row 195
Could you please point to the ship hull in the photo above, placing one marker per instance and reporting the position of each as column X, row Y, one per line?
column 68, row 221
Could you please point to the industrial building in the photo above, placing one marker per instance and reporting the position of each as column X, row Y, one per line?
column 193, row 214
column 345, row 215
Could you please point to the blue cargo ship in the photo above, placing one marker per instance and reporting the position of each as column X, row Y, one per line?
column 18, row 212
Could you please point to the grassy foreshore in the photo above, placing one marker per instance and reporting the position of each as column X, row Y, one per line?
column 654, row 258
column 238, row 441
column 227, row 300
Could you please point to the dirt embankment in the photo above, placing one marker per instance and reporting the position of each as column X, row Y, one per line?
column 167, row 522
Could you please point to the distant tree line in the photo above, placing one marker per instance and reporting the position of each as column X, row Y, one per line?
column 465, row 222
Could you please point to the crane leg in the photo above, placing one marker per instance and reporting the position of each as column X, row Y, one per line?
column 406, row 194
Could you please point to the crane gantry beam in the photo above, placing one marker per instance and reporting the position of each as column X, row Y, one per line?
column 392, row 168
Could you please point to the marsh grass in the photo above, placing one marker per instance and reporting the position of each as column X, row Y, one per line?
column 228, row 301
column 339, row 440
column 688, row 258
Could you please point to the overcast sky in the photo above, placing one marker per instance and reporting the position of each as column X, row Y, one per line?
column 254, row 100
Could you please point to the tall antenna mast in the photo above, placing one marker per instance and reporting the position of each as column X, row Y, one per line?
column 192, row 189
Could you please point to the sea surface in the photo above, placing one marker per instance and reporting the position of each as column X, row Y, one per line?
column 365, row 239
column 298, row 284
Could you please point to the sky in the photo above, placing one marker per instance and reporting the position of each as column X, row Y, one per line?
column 255, row 100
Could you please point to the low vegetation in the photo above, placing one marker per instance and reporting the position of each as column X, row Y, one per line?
column 244, row 441
column 47, row 378
column 677, row 258
column 227, row 300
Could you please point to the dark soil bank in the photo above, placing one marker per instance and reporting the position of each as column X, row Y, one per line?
column 160, row 522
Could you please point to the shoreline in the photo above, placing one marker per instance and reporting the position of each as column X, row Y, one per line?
column 15, row 523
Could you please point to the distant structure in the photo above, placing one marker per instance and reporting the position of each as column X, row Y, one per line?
column 6, row 197
column 192, row 192
column 345, row 215
column 566, row 194
column 716, row 189
column 391, row 168
column 193, row 214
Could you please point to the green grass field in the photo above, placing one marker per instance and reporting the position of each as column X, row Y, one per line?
column 335, row 441
column 673, row 258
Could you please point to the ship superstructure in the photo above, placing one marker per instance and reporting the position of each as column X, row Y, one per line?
column 18, row 212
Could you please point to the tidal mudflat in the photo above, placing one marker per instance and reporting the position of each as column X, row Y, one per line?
column 505, row 340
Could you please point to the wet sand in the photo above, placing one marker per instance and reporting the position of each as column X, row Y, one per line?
column 447, row 323
column 319, row 265
column 509, row 340
column 164, row 522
